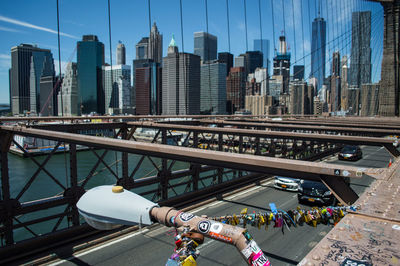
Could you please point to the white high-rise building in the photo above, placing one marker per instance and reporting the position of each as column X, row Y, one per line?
column 113, row 92
column 69, row 105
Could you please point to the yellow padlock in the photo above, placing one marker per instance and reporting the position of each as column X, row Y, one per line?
column 189, row 261
column 244, row 211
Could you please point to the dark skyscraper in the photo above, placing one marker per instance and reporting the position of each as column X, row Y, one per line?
column 236, row 89
column 90, row 59
column 318, row 47
column 282, row 64
column 253, row 59
column 360, row 63
column 148, row 88
column 226, row 58
column 27, row 63
column 263, row 46
column 298, row 72
column 205, row 45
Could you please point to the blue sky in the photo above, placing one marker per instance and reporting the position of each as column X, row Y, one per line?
column 35, row 22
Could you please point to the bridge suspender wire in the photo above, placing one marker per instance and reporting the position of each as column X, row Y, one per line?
column 302, row 33
column 273, row 25
column 184, row 61
column 284, row 20
column 59, row 60
column 208, row 57
column 261, row 38
column 245, row 23
column 294, row 32
column 374, row 17
column 229, row 34
column 111, row 64
column 149, row 10
column 309, row 29
column 60, row 92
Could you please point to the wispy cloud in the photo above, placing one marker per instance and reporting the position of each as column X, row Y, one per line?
column 5, row 56
column 32, row 26
column 9, row 29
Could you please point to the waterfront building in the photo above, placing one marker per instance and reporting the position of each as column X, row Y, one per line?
column 27, row 62
column 300, row 102
column 205, row 46
column 90, row 59
column 113, row 77
column 353, row 100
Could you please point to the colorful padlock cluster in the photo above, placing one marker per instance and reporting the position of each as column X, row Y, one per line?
column 185, row 252
column 280, row 218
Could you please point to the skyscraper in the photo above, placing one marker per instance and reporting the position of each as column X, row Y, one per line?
column 148, row 88
column 213, row 88
column 227, row 59
column 263, row 46
column 360, row 63
column 27, row 63
column 318, row 47
column 253, row 60
column 49, row 87
column 300, row 103
column 69, row 92
column 282, row 64
column 236, row 89
column 180, row 82
column 155, row 45
column 112, row 90
column 298, row 72
column 142, row 48
column 205, row 46
column 90, row 59
column 121, row 54
column 335, row 83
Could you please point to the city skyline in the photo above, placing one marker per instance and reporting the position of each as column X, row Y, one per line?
column 18, row 26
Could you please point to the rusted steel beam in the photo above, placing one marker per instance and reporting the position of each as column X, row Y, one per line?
column 285, row 167
column 352, row 140
column 345, row 123
column 340, row 189
column 363, row 131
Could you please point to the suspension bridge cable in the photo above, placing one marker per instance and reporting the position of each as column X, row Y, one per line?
column 149, row 9
column 59, row 59
column 209, row 63
column 261, row 38
column 302, row 32
column 283, row 17
column 245, row 23
column 184, row 61
column 294, row 31
column 227, row 18
column 273, row 25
